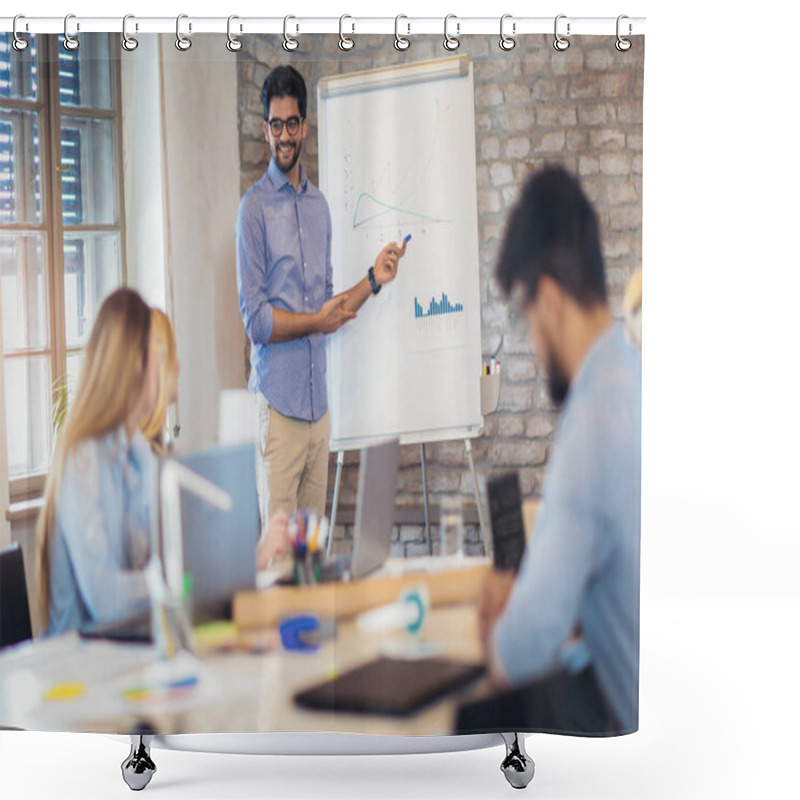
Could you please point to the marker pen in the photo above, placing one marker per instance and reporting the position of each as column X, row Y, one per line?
column 405, row 241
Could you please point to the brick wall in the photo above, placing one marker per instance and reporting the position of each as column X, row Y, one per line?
column 581, row 107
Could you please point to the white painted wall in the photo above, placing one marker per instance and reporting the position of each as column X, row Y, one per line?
column 143, row 172
column 201, row 157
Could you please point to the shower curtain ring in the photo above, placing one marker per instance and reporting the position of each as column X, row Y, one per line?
column 507, row 42
column 345, row 42
column 561, row 43
column 70, row 42
column 128, row 43
column 20, row 43
column 233, row 44
column 451, row 43
column 289, row 42
column 401, row 42
column 623, row 45
column 183, row 43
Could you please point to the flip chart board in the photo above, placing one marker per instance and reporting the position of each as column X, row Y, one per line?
column 397, row 157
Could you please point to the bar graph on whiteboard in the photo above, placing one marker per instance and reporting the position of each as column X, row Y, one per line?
column 437, row 307
column 442, row 315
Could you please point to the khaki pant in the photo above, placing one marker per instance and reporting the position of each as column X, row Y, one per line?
column 292, row 462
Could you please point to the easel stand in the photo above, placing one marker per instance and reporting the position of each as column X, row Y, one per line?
column 490, row 398
column 476, row 488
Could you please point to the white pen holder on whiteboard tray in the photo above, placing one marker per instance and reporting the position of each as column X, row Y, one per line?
column 490, row 393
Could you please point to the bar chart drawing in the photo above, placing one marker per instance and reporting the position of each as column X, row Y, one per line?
column 442, row 317
column 437, row 307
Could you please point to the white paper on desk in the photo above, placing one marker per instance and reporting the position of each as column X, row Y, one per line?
column 238, row 417
column 33, row 671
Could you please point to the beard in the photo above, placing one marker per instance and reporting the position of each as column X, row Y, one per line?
column 557, row 380
column 557, row 383
column 288, row 166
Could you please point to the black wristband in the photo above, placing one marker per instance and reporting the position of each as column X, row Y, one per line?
column 372, row 282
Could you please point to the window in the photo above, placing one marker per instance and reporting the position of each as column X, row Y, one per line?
column 61, row 232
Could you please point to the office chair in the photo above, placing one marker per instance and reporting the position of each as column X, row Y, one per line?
column 15, row 616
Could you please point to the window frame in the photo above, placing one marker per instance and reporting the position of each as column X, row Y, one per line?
column 49, row 109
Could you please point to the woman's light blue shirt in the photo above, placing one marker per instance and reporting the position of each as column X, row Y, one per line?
column 101, row 541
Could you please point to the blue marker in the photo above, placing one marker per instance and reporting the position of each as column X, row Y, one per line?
column 405, row 241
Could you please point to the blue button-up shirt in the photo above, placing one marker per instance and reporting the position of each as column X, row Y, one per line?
column 583, row 562
column 283, row 260
column 101, row 540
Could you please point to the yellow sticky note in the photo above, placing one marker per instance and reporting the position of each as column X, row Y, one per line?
column 65, row 691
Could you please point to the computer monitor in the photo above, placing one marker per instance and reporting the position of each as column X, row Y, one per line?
column 219, row 547
column 377, row 484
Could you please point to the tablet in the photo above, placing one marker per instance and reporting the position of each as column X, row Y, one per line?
column 390, row 686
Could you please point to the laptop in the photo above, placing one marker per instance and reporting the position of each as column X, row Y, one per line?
column 372, row 539
column 377, row 484
column 219, row 547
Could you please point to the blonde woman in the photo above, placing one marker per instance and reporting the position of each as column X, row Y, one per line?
column 153, row 425
column 93, row 532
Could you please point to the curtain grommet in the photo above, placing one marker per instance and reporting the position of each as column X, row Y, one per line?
column 622, row 44
column 71, row 43
column 451, row 43
column 401, row 43
column 128, row 43
column 561, row 43
column 289, row 42
column 19, row 43
column 507, row 42
column 233, row 44
column 345, row 42
column 182, row 43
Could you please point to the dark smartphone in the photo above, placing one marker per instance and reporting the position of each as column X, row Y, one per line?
column 505, row 514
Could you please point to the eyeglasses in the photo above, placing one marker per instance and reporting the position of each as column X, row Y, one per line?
column 292, row 125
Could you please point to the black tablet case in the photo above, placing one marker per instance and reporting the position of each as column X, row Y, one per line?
column 390, row 686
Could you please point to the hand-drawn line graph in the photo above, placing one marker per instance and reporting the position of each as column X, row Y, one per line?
column 387, row 208
column 370, row 206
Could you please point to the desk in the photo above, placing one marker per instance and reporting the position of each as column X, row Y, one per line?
column 450, row 579
column 241, row 692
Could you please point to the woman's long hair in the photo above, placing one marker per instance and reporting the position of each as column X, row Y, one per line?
column 153, row 424
column 110, row 386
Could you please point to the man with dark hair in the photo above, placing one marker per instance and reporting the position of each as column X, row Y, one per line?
column 285, row 282
column 570, row 617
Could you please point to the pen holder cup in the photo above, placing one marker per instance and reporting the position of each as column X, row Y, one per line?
column 308, row 569
column 490, row 393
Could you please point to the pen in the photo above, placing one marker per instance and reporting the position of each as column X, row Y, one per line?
column 405, row 241
column 313, row 527
column 323, row 533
